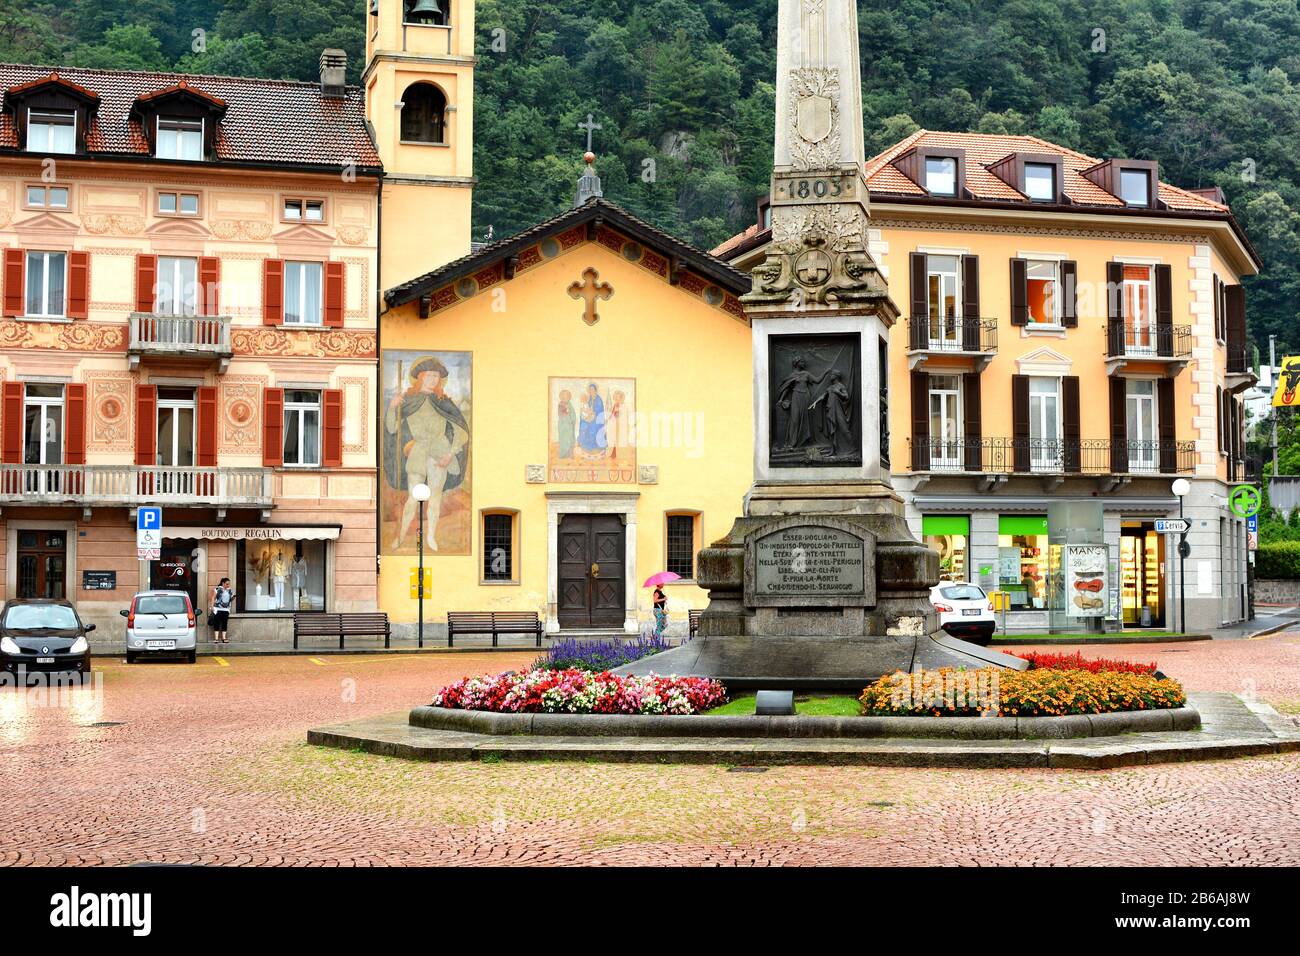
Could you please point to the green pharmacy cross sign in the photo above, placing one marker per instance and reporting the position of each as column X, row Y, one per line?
column 1245, row 501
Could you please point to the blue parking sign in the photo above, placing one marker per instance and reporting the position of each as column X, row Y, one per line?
column 1252, row 524
column 148, row 519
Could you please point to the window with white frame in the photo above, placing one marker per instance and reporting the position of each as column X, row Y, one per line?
column 1043, row 283
column 1045, row 424
column 1142, row 414
column 43, row 435
column 177, row 289
column 51, row 131
column 179, row 138
column 1139, row 309
column 47, row 197
column 304, row 210
column 945, row 423
column 943, row 279
column 47, row 283
column 302, row 428
column 178, row 204
column 302, row 293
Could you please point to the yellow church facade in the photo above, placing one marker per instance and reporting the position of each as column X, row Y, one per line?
column 577, row 400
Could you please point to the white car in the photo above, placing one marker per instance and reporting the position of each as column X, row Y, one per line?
column 965, row 611
column 161, row 622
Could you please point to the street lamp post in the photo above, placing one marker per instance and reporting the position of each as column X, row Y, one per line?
column 1180, row 489
column 421, row 493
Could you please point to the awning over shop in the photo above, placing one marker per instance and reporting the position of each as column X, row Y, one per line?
column 945, row 524
column 1022, row 524
column 328, row 532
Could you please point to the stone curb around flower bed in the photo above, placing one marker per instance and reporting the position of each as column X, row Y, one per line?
column 958, row 728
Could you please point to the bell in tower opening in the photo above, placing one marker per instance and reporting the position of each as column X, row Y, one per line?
column 432, row 12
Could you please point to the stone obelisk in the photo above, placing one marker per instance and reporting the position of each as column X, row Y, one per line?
column 819, row 583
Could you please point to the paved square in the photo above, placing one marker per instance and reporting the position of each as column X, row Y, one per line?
column 206, row 764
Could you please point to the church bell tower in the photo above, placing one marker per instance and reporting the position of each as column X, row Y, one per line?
column 419, row 83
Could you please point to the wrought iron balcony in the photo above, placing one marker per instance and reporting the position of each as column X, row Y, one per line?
column 1167, row 344
column 195, row 338
column 1239, row 376
column 89, row 486
column 1023, row 456
column 929, row 336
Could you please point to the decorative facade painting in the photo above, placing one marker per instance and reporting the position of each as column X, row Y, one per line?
column 592, row 433
column 428, row 398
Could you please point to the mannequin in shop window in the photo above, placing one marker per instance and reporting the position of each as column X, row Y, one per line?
column 279, row 574
column 298, row 580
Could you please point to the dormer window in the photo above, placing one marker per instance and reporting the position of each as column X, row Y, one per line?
column 941, row 175
column 1040, row 182
column 1132, row 181
column 1135, row 187
column 179, row 138
column 51, row 131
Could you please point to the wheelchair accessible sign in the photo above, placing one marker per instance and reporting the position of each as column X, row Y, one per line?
column 148, row 534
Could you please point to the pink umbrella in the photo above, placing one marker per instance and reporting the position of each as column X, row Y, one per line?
column 663, row 577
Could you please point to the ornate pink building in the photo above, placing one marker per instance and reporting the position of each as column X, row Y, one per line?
column 189, row 265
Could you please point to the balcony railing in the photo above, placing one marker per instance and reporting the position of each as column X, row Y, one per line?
column 186, row 336
column 90, row 485
column 937, row 334
column 1007, row 456
column 1124, row 339
column 1238, row 358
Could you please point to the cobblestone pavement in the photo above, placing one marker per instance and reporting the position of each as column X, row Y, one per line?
column 206, row 764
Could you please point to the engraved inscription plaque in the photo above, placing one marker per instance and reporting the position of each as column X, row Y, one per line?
column 810, row 564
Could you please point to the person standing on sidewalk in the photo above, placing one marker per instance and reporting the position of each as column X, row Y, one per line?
column 223, row 597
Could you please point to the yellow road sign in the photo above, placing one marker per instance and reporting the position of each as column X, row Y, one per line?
column 415, row 583
column 1288, row 384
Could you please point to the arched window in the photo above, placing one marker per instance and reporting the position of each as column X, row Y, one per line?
column 424, row 109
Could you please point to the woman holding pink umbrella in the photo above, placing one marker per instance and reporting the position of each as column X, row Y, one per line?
column 660, row 600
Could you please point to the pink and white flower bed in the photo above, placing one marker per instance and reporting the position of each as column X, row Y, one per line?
column 581, row 692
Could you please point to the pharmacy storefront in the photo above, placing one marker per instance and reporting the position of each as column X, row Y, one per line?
column 1014, row 552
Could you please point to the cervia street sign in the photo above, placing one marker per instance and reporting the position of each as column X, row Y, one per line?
column 1172, row 526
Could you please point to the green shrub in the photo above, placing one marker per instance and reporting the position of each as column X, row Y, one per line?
column 1279, row 559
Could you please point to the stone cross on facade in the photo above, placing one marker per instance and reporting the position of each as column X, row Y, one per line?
column 591, row 126
column 591, row 289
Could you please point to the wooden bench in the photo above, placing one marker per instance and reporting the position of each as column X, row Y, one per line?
column 495, row 623
column 342, row 626
column 695, row 620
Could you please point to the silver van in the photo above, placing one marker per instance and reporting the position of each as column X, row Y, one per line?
column 161, row 622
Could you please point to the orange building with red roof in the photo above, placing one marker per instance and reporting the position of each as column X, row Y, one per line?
column 1073, row 328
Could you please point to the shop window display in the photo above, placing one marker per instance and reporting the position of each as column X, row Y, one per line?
column 281, row 576
column 1023, row 569
column 948, row 536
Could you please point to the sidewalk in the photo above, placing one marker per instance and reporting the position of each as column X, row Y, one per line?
column 1268, row 620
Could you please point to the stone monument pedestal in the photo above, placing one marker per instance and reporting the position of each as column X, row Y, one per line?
column 818, row 588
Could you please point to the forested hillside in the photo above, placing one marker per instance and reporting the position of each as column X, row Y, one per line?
column 683, row 89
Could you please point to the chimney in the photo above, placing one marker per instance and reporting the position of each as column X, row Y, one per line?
column 333, row 73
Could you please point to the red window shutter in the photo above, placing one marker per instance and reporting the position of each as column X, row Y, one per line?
column 13, row 397
column 273, row 292
column 78, row 286
column 273, row 427
column 334, row 295
column 332, row 426
column 146, row 283
column 15, row 273
column 209, row 284
column 146, row 425
column 74, row 433
column 206, row 427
